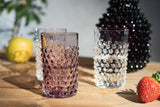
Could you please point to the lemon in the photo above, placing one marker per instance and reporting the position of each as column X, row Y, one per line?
column 19, row 50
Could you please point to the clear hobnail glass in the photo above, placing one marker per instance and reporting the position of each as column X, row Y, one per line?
column 110, row 57
column 59, row 63
column 37, row 47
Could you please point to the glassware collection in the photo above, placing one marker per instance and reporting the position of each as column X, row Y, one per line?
column 121, row 45
column 56, row 53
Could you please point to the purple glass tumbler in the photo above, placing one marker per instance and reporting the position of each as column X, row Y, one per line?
column 59, row 63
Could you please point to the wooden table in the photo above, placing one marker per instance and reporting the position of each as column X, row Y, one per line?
column 19, row 88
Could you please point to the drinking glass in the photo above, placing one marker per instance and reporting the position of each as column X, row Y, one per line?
column 110, row 57
column 37, row 47
column 60, row 63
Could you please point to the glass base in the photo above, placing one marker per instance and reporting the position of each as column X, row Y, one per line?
column 55, row 94
column 109, row 85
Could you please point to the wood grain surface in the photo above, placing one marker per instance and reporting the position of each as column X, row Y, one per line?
column 20, row 88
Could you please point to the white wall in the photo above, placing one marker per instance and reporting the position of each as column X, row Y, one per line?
column 76, row 15
column 82, row 15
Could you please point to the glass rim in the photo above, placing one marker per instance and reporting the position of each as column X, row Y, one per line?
column 50, row 28
column 59, row 34
column 112, row 29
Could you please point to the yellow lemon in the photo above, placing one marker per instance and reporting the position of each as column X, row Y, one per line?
column 19, row 50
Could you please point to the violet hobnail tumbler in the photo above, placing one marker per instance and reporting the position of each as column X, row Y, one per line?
column 37, row 47
column 59, row 63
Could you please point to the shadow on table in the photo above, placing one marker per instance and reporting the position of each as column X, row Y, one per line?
column 25, row 82
column 130, row 95
column 84, row 77
column 23, row 75
column 31, row 83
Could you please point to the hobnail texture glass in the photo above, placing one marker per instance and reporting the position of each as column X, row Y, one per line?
column 37, row 51
column 110, row 57
column 37, row 47
column 39, row 73
column 60, row 64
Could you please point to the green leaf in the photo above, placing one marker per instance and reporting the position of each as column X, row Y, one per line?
column 21, row 11
column 2, row 6
column 36, row 17
column 1, row 1
column 31, row 11
column 36, row 7
column 27, row 19
column 156, row 76
column 12, row 7
column 7, row 4
column 29, row 3
column 44, row 1
column 42, row 13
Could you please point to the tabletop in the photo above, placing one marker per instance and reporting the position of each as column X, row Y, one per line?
column 20, row 88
